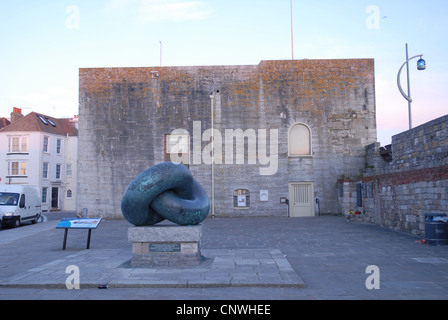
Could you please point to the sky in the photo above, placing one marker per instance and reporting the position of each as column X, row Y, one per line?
column 43, row 44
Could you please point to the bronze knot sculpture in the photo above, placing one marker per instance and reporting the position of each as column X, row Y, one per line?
column 166, row 191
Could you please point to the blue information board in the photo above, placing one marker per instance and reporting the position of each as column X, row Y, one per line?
column 75, row 223
column 80, row 224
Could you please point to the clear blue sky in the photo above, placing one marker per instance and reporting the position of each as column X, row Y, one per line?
column 44, row 43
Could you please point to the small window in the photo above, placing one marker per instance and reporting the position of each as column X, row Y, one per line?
column 68, row 171
column 241, row 199
column 14, row 169
column 299, row 141
column 42, row 119
column 44, row 194
column 45, row 171
column 58, row 146
column 58, row 171
column 15, row 144
column 69, row 194
column 50, row 122
column 46, row 140
column 24, row 145
column 23, row 168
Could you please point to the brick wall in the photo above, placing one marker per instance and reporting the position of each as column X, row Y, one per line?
column 398, row 194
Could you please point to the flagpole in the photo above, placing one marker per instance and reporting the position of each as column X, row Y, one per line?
column 292, row 31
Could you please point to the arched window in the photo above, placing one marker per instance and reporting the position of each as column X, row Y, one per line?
column 69, row 194
column 299, row 141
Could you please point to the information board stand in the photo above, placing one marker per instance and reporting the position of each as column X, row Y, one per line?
column 79, row 224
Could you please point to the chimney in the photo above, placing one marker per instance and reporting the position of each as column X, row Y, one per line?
column 16, row 114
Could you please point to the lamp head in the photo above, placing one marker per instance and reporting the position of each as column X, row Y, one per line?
column 421, row 64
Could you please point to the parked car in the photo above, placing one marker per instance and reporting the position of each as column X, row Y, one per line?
column 18, row 204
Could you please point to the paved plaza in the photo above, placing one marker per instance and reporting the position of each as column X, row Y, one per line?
column 245, row 258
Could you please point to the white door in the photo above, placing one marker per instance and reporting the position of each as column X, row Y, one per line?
column 301, row 199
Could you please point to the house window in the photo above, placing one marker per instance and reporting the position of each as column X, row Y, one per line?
column 15, row 144
column 24, row 145
column 14, row 169
column 44, row 194
column 58, row 146
column 17, row 168
column 23, row 168
column 69, row 194
column 45, row 147
column 299, row 141
column 45, row 170
column 68, row 171
column 241, row 199
column 58, row 171
column 18, row 144
column 177, row 148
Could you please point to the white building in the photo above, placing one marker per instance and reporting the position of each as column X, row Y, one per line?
column 40, row 150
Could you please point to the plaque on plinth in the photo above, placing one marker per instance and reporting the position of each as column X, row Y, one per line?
column 165, row 245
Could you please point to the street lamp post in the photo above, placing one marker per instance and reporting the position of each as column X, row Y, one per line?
column 421, row 65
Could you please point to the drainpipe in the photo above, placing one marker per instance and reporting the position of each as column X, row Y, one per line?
column 212, row 99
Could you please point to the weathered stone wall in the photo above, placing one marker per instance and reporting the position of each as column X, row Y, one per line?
column 398, row 194
column 125, row 113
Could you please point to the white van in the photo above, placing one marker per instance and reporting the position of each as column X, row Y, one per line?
column 18, row 204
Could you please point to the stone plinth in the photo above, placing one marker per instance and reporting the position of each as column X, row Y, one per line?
column 165, row 245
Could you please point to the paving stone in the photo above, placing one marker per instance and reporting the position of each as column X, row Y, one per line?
column 326, row 254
